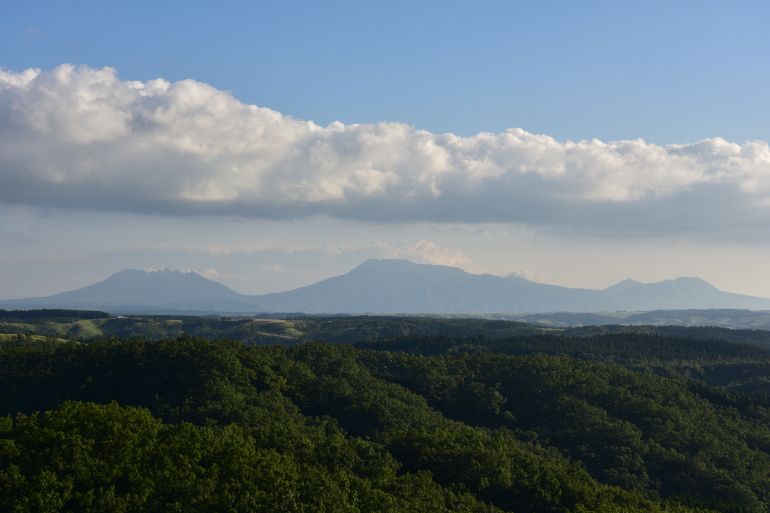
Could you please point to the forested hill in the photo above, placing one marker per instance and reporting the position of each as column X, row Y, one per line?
column 459, row 425
column 86, row 326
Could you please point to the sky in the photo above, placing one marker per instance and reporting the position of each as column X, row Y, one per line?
column 268, row 145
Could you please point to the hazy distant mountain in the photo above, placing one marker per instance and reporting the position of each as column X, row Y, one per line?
column 400, row 286
column 390, row 286
column 146, row 292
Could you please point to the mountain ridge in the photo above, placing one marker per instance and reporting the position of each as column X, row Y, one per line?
column 389, row 286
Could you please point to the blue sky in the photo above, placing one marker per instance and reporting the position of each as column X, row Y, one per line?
column 662, row 71
column 577, row 143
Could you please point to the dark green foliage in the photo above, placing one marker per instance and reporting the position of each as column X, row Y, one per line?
column 755, row 337
column 194, row 425
column 219, row 435
column 738, row 367
column 53, row 315
column 89, row 457
column 621, row 347
column 631, row 429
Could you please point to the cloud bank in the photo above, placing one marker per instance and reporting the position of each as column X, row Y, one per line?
column 81, row 137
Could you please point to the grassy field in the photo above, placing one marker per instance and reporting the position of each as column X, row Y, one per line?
column 13, row 337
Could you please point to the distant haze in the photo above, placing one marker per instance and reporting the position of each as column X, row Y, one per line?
column 387, row 286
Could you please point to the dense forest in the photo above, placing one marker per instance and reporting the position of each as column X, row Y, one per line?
column 536, row 422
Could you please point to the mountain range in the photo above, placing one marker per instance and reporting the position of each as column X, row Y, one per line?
column 387, row 286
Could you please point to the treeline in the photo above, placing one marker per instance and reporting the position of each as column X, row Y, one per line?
column 622, row 347
column 193, row 425
column 90, row 326
column 53, row 315
column 739, row 368
column 755, row 337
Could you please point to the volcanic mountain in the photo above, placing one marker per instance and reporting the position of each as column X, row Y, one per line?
column 388, row 286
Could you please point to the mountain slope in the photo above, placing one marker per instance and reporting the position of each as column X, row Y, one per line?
column 399, row 286
column 388, row 286
column 140, row 291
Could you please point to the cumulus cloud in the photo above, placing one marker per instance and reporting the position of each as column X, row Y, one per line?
column 429, row 252
column 84, row 138
column 209, row 272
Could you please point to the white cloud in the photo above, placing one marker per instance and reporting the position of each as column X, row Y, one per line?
column 82, row 137
column 210, row 273
column 527, row 274
column 432, row 253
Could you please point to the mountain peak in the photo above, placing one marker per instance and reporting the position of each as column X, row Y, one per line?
column 398, row 265
column 165, row 274
column 692, row 281
column 163, row 270
column 132, row 289
column 626, row 284
column 403, row 286
column 386, row 262
column 160, row 272
column 389, row 286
